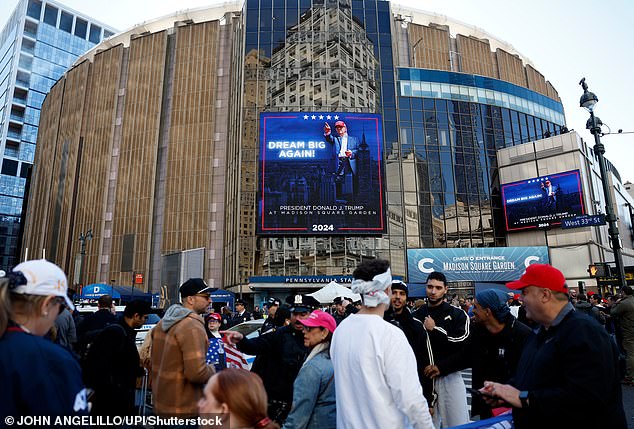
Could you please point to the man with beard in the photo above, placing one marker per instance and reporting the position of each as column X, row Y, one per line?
column 493, row 348
column 280, row 356
column 448, row 329
column 416, row 335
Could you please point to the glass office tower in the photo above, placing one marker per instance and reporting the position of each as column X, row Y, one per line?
column 37, row 45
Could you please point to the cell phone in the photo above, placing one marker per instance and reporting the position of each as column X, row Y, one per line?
column 476, row 392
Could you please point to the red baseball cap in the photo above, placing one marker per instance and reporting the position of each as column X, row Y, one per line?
column 322, row 319
column 213, row 316
column 541, row 275
column 340, row 124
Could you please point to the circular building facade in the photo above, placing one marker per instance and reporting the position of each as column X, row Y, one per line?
column 157, row 140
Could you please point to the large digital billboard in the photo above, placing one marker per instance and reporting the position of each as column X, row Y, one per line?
column 542, row 202
column 320, row 174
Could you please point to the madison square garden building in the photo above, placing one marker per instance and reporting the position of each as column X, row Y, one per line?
column 195, row 144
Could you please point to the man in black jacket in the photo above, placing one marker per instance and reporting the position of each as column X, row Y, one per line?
column 414, row 331
column 343, row 309
column 448, row 329
column 112, row 365
column 570, row 361
column 280, row 356
column 241, row 315
column 493, row 349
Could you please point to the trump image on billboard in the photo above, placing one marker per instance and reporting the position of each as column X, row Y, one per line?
column 542, row 202
column 320, row 174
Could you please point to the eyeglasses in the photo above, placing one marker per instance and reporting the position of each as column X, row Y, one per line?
column 203, row 295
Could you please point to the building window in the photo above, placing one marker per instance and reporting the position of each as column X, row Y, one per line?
column 50, row 15
column 80, row 28
column 107, row 34
column 66, row 22
column 95, row 33
column 10, row 167
column 34, row 10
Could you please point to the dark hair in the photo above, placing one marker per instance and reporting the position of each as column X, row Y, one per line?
column 368, row 269
column 137, row 307
column 437, row 275
column 244, row 394
column 281, row 315
column 104, row 301
column 627, row 290
column 597, row 296
column 582, row 297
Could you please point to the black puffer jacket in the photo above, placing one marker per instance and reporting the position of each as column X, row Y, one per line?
column 280, row 356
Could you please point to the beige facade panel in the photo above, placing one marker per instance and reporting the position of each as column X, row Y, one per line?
column 552, row 92
column 429, row 47
column 138, row 156
column 536, row 80
column 37, row 236
column 99, row 117
column 65, row 171
column 510, row 68
column 475, row 56
column 189, row 184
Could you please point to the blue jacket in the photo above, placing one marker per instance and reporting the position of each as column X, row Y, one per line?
column 39, row 378
column 314, row 396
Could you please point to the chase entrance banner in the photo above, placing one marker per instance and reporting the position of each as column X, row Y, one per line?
column 478, row 264
column 320, row 174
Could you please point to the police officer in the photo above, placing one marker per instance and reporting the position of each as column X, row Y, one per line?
column 343, row 308
column 241, row 315
column 280, row 356
column 269, row 325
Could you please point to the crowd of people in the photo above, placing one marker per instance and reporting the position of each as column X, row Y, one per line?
column 385, row 362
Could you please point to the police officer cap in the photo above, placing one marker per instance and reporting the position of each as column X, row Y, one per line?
column 300, row 303
column 338, row 300
column 241, row 302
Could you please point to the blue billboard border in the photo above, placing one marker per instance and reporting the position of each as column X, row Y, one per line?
column 271, row 232
column 504, row 186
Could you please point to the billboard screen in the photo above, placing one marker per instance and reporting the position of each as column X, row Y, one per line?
column 320, row 174
column 542, row 202
column 478, row 264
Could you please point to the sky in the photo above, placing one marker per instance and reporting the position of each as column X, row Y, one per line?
column 565, row 40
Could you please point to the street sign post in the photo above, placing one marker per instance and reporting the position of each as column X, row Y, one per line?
column 583, row 221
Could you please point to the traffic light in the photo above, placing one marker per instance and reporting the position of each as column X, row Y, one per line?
column 599, row 270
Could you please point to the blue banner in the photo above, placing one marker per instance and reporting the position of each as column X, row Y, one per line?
column 478, row 264
column 542, row 202
column 320, row 174
column 504, row 421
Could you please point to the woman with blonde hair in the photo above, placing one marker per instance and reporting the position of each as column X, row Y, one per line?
column 40, row 378
column 240, row 397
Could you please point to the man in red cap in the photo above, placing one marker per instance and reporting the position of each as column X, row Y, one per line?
column 552, row 377
column 345, row 149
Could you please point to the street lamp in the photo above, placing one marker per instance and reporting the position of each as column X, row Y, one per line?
column 82, row 251
column 588, row 101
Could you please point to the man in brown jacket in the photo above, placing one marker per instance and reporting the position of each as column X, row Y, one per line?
column 179, row 345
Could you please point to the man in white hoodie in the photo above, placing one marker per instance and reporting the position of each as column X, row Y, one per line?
column 376, row 380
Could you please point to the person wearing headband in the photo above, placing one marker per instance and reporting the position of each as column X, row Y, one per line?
column 374, row 364
column 239, row 397
column 39, row 378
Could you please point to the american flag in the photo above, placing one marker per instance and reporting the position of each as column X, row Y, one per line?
column 235, row 358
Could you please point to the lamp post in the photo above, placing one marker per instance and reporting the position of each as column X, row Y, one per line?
column 588, row 101
column 82, row 251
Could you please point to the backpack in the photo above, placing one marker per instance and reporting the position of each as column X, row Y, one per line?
column 90, row 358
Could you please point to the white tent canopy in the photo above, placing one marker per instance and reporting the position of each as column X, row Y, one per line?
column 328, row 293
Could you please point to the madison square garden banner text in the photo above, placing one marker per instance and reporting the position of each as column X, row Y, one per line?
column 321, row 174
